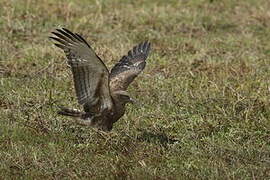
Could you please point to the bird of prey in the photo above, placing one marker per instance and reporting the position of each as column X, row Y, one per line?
column 102, row 93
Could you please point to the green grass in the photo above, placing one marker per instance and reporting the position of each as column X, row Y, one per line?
column 204, row 95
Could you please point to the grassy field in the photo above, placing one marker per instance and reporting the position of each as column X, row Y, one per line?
column 204, row 96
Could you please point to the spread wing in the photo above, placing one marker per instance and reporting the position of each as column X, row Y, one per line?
column 128, row 68
column 90, row 75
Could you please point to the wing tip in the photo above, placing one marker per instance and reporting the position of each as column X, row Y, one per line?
column 65, row 33
column 147, row 46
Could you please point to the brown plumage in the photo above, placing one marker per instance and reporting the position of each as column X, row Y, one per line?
column 102, row 93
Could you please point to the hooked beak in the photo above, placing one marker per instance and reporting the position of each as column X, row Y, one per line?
column 134, row 102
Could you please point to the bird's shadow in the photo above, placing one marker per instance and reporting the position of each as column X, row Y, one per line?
column 156, row 138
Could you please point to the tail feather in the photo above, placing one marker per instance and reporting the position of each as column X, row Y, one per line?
column 71, row 112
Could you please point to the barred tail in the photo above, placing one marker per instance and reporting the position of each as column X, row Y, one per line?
column 71, row 112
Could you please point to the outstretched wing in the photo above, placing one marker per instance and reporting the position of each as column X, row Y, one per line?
column 124, row 72
column 90, row 75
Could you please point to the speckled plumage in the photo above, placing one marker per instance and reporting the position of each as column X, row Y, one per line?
column 102, row 93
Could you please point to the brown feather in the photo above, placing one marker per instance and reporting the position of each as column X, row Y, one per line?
column 129, row 67
column 87, row 68
column 102, row 95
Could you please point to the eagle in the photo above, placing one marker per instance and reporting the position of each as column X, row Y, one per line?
column 102, row 93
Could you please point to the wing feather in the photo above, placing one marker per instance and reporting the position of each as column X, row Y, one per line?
column 129, row 67
column 87, row 68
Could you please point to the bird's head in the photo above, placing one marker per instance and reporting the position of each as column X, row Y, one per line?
column 124, row 97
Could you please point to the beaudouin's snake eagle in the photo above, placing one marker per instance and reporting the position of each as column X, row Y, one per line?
column 102, row 93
